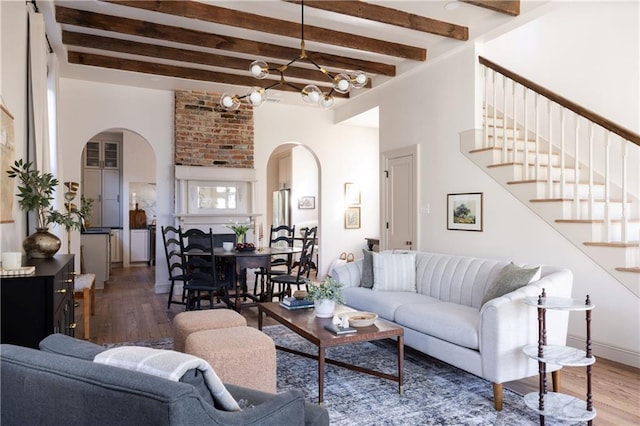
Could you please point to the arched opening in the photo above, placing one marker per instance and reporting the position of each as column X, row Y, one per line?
column 293, row 180
column 118, row 172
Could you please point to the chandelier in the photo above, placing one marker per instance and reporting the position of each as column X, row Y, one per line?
column 256, row 96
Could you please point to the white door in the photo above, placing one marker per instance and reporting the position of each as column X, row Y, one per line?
column 399, row 221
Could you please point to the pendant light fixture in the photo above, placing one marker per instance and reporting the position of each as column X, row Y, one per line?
column 311, row 94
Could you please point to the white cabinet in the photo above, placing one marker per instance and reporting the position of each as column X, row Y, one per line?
column 101, row 182
column 139, row 245
column 116, row 245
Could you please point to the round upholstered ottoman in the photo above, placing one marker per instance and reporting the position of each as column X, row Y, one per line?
column 242, row 356
column 189, row 322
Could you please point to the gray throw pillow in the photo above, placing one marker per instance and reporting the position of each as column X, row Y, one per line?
column 366, row 280
column 510, row 278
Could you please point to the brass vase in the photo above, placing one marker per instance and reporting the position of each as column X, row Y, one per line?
column 42, row 244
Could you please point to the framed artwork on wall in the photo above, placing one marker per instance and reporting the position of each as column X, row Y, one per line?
column 351, row 194
column 307, row 202
column 464, row 211
column 352, row 218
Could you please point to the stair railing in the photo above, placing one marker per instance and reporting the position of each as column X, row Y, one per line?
column 599, row 151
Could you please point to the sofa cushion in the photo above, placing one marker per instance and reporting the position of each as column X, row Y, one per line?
column 451, row 322
column 62, row 344
column 383, row 304
column 366, row 280
column 510, row 278
column 394, row 271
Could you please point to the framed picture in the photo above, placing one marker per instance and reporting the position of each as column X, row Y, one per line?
column 352, row 218
column 464, row 211
column 307, row 202
column 351, row 194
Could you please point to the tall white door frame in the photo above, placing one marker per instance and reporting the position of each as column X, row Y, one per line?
column 399, row 212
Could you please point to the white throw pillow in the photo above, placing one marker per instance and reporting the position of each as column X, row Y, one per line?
column 394, row 271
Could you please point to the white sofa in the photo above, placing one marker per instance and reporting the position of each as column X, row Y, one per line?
column 444, row 318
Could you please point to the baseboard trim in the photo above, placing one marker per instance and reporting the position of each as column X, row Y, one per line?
column 162, row 288
column 612, row 353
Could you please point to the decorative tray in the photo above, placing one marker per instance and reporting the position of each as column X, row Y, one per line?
column 25, row 270
column 246, row 249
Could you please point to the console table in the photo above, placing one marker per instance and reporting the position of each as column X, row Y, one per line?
column 37, row 305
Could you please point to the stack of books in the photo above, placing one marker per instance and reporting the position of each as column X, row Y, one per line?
column 293, row 303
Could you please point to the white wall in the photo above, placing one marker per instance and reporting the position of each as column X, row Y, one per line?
column 88, row 108
column 13, row 89
column 304, row 178
column 587, row 51
column 345, row 154
column 437, row 103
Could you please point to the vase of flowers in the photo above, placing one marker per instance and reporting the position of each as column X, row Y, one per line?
column 35, row 193
column 241, row 234
column 325, row 295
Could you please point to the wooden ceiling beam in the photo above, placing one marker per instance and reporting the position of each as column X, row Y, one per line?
column 387, row 15
column 250, row 21
column 182, row 55
column 122, row 64
column 134, row 27
column 508, row 7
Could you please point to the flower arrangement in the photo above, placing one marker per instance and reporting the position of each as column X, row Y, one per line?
column 239, row 229
column 328, row 289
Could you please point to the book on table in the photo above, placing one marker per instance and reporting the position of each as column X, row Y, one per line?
column 296, row 306
column 335, row 328
column 292, row 301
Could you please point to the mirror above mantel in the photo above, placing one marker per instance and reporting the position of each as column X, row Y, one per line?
column 214, row 197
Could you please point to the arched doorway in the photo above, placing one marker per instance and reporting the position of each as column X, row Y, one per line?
column 118, row 170
column 294, row 169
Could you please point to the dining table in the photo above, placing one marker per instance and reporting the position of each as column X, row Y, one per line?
column 249, row 259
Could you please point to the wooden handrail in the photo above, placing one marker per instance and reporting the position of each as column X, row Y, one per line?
column 580, row 110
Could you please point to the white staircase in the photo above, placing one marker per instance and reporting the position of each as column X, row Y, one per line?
column 584, row 182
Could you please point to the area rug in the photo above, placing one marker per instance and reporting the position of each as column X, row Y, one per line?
column 435, row 393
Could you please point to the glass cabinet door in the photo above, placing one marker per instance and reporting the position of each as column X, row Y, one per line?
column 110, row 155
column 92, row 156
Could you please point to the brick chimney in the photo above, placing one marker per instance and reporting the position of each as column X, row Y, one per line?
column 207, row 135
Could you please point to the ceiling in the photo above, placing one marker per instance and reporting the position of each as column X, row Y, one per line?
column 208, row 45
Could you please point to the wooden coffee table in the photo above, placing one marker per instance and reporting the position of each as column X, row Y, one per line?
column 304, row 323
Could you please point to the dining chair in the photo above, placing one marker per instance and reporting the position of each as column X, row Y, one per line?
column 198, row 259
column 304, row 267
column 280, row 236
column 171, row 241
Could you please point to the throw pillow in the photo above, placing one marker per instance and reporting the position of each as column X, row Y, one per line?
column 366, row 280
column 510, row 278
column 169, row 365
column 394, row 271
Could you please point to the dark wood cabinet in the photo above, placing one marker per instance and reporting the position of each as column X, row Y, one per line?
column 40, row 304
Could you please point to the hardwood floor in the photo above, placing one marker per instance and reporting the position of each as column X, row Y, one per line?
column 128, row 310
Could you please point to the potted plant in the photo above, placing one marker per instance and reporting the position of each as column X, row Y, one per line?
column 241, row 234
column 35, row 193
column 325, row 295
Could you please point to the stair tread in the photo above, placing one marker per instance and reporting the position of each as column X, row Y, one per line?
column 593, row 220
column 555, row 200
column 634, row 269
column 568, row 182
column 629, row 244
